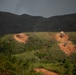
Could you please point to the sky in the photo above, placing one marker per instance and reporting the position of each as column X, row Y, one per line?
column 45, row 8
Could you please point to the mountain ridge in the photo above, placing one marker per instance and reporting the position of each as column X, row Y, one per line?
column 12, row 23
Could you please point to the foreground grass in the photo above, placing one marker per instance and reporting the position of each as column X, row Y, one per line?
column 41, row 51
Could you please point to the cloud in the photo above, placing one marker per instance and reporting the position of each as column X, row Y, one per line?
column 33, row 6
column 45, row 8
column 8, row 5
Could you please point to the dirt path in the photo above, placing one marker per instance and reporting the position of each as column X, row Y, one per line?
column 44, row 71
column 21, row 37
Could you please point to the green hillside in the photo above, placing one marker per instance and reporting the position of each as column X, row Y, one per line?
column 40, row 51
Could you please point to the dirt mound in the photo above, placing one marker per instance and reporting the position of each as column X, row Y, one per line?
column 21, row 37
column 61, row 37
column 66, row 45
column 44, row 71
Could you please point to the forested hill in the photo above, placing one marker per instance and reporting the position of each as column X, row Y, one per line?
column 11, row 23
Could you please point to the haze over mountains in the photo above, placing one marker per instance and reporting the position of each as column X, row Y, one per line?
column 11, row 23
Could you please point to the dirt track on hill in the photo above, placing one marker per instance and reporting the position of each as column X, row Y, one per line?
column 45, row 72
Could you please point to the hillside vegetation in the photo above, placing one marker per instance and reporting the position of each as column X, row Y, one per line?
column 11, row 23
column 40, row 51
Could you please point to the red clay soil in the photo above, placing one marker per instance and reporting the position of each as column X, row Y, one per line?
column 68, row 48
column 61, row 37
column 65, row 45
column 21, row 37
column 45, row 72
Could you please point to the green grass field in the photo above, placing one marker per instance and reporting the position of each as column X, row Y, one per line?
column 40, row 51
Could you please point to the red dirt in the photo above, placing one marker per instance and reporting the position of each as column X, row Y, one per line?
column 21, row 37
column 61, row 37
column 68, row 48
column 65, row 45
column 45, row 72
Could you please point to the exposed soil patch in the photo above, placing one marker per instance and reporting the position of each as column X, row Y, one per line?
column 67, row 47
column 65, row 44
column 45, row 72
column 61, row 37
column 21, row 37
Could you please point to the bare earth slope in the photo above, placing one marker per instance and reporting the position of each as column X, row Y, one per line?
column 65, row 44
column 44, row 71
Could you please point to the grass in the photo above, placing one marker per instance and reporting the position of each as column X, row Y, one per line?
column 72, row 36
column 41, row 51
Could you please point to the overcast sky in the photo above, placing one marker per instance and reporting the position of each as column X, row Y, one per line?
column 46, row 8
